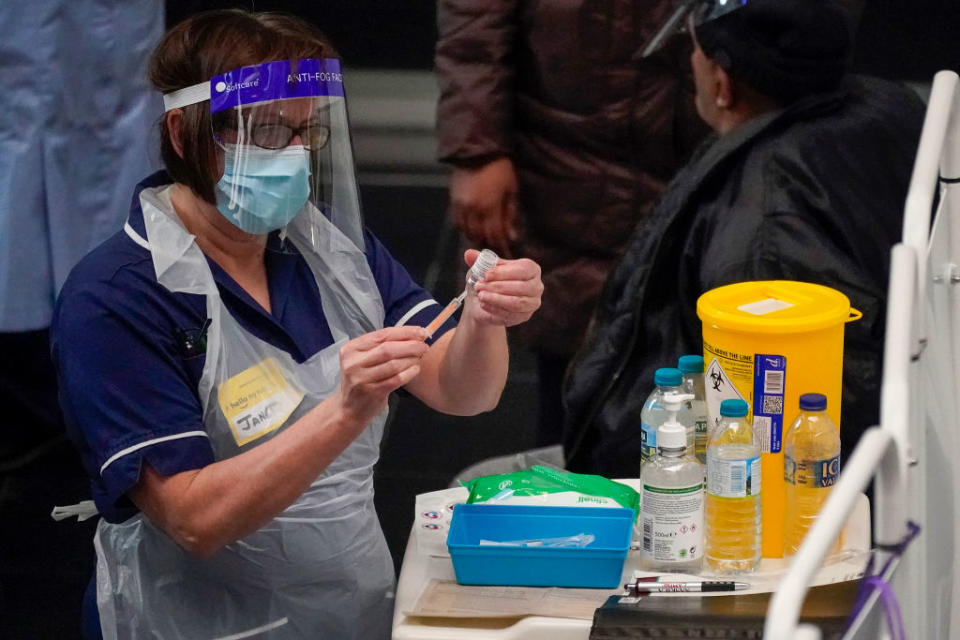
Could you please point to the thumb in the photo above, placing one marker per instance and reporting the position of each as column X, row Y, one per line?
column 470, row 256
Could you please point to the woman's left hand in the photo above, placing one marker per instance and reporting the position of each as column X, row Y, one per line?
column 509, row 293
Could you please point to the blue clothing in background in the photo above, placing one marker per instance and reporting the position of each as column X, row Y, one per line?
column 77, row 119
column 130, row 353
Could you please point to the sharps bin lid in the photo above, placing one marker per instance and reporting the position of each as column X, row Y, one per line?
column 775, row 306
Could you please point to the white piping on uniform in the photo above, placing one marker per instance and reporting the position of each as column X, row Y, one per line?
column 136, row 237
column 415, row 310
column 176, row 436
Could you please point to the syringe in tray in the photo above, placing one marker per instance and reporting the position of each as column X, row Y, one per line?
column 579, row 541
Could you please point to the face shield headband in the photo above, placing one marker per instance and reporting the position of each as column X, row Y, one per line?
column 688, row 15
column 287, row 153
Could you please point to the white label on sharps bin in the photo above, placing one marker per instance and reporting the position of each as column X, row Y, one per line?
column 765, row 306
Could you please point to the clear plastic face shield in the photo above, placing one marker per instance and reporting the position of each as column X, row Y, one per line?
column 686, row 17
column 286, row 150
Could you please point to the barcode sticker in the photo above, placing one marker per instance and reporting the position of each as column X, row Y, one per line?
column 647, row 534
column 773, row 382
column 770, row 381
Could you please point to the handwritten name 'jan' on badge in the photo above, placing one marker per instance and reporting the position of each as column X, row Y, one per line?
column 257, row 400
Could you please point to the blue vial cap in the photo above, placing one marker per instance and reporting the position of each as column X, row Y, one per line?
column 690, row 364
column 668, row 377
column 733, row 408
column 813, row 402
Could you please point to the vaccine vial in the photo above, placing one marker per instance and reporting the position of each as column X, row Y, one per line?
column 484, row 262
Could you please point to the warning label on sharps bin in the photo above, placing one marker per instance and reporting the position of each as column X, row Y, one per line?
column 759, row 379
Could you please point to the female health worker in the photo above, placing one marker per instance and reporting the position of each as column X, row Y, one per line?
column 226, row 358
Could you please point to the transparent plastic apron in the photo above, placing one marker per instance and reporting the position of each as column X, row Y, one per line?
column 320, row 569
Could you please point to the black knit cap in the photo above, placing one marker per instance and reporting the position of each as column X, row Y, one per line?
column 785, row 49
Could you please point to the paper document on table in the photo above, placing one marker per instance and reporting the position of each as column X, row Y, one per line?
column 447, row 599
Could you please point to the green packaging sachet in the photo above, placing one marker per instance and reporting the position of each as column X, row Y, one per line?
column 545, row 486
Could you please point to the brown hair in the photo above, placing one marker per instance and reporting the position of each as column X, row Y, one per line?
column 208, row 44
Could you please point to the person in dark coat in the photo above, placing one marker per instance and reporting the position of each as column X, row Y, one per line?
column 805, row 180
column 561, row 139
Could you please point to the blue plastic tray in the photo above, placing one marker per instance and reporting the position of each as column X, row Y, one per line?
column 598, row 565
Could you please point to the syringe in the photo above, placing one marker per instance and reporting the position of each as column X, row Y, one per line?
column 484, row 262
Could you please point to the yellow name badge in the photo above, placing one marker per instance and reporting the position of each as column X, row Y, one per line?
column 257, row 401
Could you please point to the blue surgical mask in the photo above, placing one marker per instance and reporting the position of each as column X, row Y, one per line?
column 263, row 189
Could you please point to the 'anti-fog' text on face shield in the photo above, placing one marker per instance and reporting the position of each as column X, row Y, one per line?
column 287, row 156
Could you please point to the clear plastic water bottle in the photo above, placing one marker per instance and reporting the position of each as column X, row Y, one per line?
column 811, row 464
column 653, row 414
column 672, row 504
column 692, row 369
column 733, row 492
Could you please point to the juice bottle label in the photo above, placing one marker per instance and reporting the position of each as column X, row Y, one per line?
column 673, row 523
column 733, row 478
column 818, row 474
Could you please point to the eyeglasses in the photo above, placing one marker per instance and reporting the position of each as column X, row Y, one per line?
column 278, row 136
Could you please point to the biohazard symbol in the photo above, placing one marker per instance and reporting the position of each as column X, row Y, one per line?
column 717, row 377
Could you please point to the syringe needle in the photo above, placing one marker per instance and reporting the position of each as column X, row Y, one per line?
column 448, row 311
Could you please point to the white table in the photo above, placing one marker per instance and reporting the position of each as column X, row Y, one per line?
column 419, row 568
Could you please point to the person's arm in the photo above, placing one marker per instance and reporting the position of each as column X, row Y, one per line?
column 464, row 372
column 475, row 53
column 205, row 509
column 476, row 44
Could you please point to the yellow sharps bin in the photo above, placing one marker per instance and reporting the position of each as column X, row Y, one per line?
column 769, row 342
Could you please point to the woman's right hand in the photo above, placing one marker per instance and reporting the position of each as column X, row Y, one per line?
column 374, row 365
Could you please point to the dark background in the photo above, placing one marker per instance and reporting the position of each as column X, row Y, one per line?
column 904, row 40
column 45, row 565
column 390, row 34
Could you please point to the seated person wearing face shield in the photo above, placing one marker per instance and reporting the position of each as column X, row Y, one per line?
column 805, row 180
column 226, row 358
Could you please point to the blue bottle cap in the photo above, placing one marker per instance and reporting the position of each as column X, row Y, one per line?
column 668, row 377
column 690, row 364
column 733, row 408
column 813, row 402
